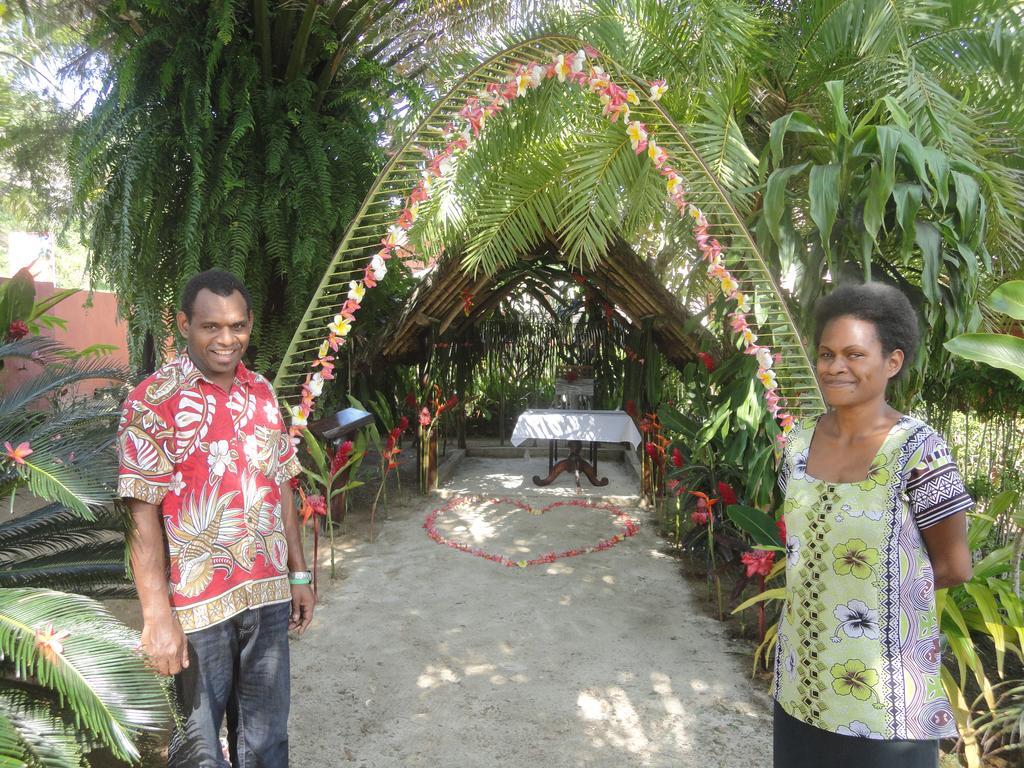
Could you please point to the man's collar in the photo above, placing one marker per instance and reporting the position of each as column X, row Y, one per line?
column 191, row 374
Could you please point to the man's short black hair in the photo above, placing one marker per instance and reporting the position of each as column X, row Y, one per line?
column 216, row 281
column 886, row 307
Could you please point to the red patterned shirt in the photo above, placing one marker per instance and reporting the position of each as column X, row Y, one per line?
column 213, row 461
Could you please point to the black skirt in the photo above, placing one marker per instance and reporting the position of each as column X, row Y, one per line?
column 799, row 745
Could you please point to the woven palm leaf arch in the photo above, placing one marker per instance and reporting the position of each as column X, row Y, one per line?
column 387, row 196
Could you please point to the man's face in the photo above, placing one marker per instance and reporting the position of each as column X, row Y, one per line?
column 217, row 334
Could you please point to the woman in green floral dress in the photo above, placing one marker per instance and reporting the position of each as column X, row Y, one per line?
column 875, row 521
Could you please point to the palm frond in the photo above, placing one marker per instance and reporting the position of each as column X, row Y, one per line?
column 54, row 530
column 34, row 735
column 96, row 670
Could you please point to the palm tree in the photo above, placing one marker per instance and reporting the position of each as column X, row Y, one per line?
column 73, row 680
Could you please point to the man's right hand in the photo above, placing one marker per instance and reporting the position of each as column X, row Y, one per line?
column 165, row 645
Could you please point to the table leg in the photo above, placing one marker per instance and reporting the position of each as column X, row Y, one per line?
column 577, row 464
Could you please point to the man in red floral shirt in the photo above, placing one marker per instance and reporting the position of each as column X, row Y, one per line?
column 205, row 462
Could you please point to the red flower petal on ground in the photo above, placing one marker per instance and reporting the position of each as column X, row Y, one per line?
column 727, row 494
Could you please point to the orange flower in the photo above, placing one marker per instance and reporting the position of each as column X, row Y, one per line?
column 50, row 642
column 17, row 455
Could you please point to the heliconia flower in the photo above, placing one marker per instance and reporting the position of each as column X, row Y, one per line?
column 637, row 136
column 767, row 378
column 356, row 291
column 656, row 153
column 299, row 416
column 403, row 424
column 631, row 97
column 658, row 88
column 729, row 285
column 340, row 326
column 677, row 458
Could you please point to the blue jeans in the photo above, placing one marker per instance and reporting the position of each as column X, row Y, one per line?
column 238, row 668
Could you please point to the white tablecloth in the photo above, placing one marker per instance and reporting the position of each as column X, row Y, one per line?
column 556, row 424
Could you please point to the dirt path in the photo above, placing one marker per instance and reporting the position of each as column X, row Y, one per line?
column 421, row 655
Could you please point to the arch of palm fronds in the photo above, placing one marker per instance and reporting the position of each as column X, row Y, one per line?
column 379, row 209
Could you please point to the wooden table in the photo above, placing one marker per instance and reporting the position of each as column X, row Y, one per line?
column 576, row 427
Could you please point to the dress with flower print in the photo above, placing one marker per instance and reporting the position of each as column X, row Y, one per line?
column 858, row 640
column 213, row 461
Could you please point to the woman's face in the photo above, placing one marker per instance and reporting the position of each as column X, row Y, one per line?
column 852, row 370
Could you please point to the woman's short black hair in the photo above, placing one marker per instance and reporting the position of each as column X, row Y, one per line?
column 886, row 307
column 216, row 281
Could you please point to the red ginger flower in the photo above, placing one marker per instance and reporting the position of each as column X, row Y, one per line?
column 17, row 330
column 317, row 504
column 403, row 424
column 425, row 418
column 708, row 360
column 726, row 494
column 781, row 525
column 341, row 456
column 758, row 561
column 700, row 516
column 677, row 458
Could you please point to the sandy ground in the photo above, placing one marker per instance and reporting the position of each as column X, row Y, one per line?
column 421, row 655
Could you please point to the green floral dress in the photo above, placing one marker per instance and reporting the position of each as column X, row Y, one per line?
column 858, row 644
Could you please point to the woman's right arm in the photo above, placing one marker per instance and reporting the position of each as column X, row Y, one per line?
column 946, row 542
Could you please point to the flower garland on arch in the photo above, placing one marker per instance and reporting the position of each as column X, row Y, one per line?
column 573, row 68
column 630, row 528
